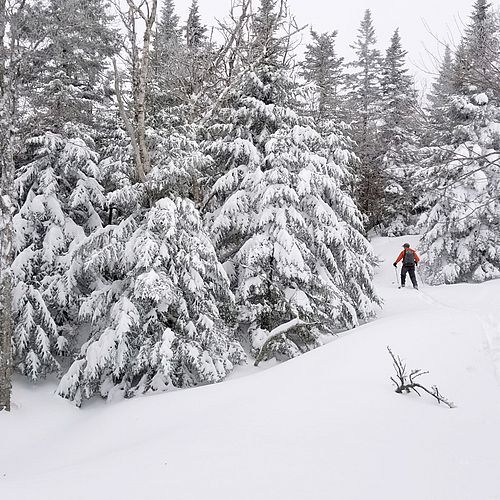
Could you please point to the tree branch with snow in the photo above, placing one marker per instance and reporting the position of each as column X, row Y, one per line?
column 295, row 326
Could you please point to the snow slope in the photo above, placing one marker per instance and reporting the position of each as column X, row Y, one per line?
column 327, row 425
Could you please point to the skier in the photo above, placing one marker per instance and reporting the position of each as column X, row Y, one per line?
column 410, row 260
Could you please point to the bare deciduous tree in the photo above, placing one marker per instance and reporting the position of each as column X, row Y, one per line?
column 9, row 61
column 138, row 56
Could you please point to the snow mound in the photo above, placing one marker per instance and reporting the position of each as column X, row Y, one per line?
column 481, row 99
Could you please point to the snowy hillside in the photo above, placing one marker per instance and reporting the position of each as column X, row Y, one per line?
column 327, row 425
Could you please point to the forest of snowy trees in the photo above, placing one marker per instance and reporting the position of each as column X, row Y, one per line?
column 176, row 200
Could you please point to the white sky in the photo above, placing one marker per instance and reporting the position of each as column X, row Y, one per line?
column 444, row 18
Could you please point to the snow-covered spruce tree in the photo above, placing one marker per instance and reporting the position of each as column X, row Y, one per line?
column 198, row 59
column 438, row 108
column 167, row 66
column 324, row 105
column 172, row 135
column 364, row 91
column 399, row 136
column 323, row 69
column 461, row 239
column 60, row 197
column 195, row 31
column 284, row 229
column 477, row 57
column 156, row 302
column 156, row 298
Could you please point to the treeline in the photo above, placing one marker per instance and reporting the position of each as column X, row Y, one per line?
column 172, row 205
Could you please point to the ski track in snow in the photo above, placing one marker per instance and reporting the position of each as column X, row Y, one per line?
column 490, row 326
column 324, row 426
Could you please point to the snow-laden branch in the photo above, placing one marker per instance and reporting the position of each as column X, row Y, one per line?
column 279, row 331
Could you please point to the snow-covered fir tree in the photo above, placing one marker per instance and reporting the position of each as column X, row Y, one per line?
column 461, row 227
column 323, row 69
column 167, row 66
column 398, row 133
column 199, row 75
column 158, row 303
column 477, row 58
column 461, row 239
column 288, row 235
column 439, row 102
column 155, row 297
column 364, row 88
column 195, row 31
column 60, row 196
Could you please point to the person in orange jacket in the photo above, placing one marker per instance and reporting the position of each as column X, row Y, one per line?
column 410, row 260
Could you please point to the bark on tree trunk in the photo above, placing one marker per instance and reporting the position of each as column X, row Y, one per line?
column 135, row 119
column 6, row 182
column 9, row 66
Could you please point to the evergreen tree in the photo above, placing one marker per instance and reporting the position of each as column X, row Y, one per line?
column 168, row 67
column 439, row 102
column 195, row 31
column 364, row 108
column 461, row 239
column 167, row 30
column 60, row 197
column 400, row 140
column 156, row 301
column 461, row 227
column 323, row 69
column 283, row 228
column 199, row 80
column 479, row 57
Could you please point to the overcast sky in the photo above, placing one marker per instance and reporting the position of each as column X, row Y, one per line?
column 444, row 18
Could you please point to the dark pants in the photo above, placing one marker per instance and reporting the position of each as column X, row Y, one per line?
column 411, row 271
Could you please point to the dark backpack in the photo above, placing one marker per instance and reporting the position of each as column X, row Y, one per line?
column 408, row 259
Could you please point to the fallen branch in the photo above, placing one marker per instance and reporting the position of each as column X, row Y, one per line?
column 406, row 381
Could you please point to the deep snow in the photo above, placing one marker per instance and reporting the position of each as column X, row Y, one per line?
column 327, row 425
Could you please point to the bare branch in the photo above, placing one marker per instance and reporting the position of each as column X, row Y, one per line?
column 406, row 382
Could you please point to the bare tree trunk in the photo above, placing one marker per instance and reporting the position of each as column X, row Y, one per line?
column 6, row 324
column 6, row 181
column 149, row 19
column 9, row 65
column 139, row 58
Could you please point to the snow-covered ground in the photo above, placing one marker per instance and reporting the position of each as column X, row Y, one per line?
column 327, row 425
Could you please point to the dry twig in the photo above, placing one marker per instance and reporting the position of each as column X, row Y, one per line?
column 405, row 382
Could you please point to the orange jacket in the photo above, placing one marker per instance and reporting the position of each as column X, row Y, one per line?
column 402, row 254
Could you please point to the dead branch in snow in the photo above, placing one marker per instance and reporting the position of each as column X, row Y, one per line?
column 405, row 382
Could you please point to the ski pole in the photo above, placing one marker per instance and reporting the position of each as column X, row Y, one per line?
column 397, row 275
